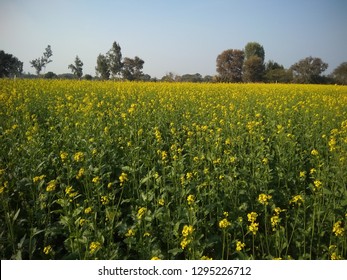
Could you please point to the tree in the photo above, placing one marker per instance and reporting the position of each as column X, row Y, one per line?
column 102, row 68
column 114, row 58
column 207, row 79
column 275, row 72
column 192, row 78
column 40, row 63
column 9, row 65
column 254, row 49
column 272, row 65
column 77, row 68
column 132, row 68
column 229, row 65
column 253, row 67
column 340, row 74
column 88, row 77
column 169, row 77
column 50, row 75
column 308, row 70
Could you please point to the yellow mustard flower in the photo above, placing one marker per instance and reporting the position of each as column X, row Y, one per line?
column 38, row 178
column 278, row 210
column 88, row 210
column 252, row 216
column 206, row 258
column 80, row 173
column 335, row 256
column 187, row 230
column 141, row 212
column 317, row 185
column 332, row 144
column 190, row 199
column 51, row 186
column 82, row 221
column 47, row 249
column 185, row 242
column 240, row 245
column 263, row 198
column 224, row 223
column 155, row 258
column 253, row 227
column 274, row 221
column 63, row 156
column 312, row 171
column 104, row 200
column 338, row 230
column 297, row 199
column 314, row 152
column 70, row 192
column 163, row 155
column 96, row 180
column 94, row 246
column 78, row 157
column 130, row 233
column 189, row 175
column 302, row 174
column 123, row 178
column 161, row 202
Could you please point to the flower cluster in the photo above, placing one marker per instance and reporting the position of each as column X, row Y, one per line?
column 94, row 246
column 190, row 199
column 141, row 212
column 187, row 233
column 297, row 199
column 264, row 198
column 338, row 230
column 253, row 226
column 123, row 178
column 51, row 186
column 78, row 157
column 224, row 223
column 240, row 245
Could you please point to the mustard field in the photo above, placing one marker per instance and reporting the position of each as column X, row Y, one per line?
column 121, row 170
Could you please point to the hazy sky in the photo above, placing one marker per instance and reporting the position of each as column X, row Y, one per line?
column 172, row 36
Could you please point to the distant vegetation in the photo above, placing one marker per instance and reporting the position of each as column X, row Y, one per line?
column 232, row 65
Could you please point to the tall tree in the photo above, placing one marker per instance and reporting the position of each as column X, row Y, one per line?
column 308, row 70
column 229, row 65
column 76, row 68
column 132, row 68
column 114, row 58
column 9, row 65
column 40, row 63
column 254, row 49
column 340, row 74
column 254, row 68
column 46, row 55
column 102, row 67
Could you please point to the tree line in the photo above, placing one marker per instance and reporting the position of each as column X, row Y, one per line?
column 233, row 65
column 248, row 65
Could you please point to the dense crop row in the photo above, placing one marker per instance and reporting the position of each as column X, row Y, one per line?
column 172, row 171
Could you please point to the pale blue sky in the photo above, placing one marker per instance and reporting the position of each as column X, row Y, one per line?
column 181, row 36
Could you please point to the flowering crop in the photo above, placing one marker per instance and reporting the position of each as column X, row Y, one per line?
column 120, row 170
